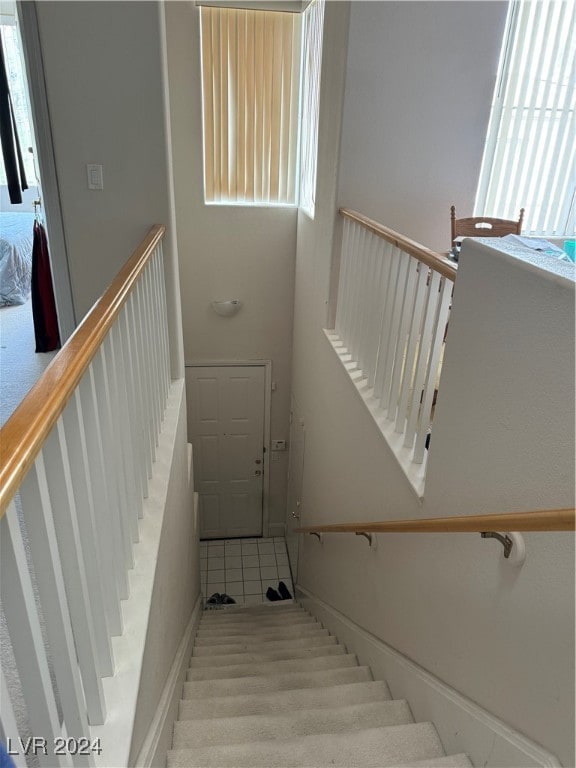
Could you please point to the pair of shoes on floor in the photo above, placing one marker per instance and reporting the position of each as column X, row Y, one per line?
column 282, row 594
column 220, row 599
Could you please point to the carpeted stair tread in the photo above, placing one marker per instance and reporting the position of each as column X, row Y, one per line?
column 197, row 662
column 254, row 610
column 304, row 630
column 243, row 729
column 273, row 667
column 263, row 624
column 369, row 748
column 286, row 701
column 264, row 684
column 212, row 618
column 260, row 629
column 255, row 646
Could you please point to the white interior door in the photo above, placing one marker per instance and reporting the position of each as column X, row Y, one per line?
column 226, row 428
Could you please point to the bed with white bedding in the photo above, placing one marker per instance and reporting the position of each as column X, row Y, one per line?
column 16, row 237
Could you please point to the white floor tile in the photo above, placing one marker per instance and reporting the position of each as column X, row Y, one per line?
column 267, row 548
column 249, row 549
column 267, row 560
column 234, row 561
column 251, row 574
column 283, row 572
column 280, row 547
column 281, row 559
column 215, row 577
column 252, row 599
column 235, row 588
column 215, row 563
column 215, row 550
column 212, row 588
column 232, row 550
column 250, row 561
column 269, row 572
column 233, row 574
column 279, row 538
column 252, row 587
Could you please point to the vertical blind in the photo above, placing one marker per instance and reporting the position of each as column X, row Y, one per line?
column 250, row 82
column 529, row 157
column 312, row 65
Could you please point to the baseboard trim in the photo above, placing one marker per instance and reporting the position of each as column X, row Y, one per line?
column 463, row 726
column 157, row 742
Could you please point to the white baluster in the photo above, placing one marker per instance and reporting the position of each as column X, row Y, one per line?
column 392, row 255
column 38, row 517
column 105, row 503
column 164, row 313
column 377, row 311
column 116, row 370
column 157, row 275
column 149, row 360
column 406, row 310
column 343, row 277
column 412, row 348
column 145, row 371
column 432, row 373
column 63, row 505
column 23, row 624
column 154, row 346
column 429, row 316
column 135, row 400
column 358, row 295
column 369, row 306
column 99, row 572
column 393, row 350
column 349, row 286
column 8, row 725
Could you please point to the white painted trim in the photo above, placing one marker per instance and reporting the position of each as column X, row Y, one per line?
column 153, row 751
column 267, row 365
column 121, row 690
column 47, row 167
column 463, row 726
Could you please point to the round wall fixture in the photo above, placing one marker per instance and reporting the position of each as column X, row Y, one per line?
column 226, row 308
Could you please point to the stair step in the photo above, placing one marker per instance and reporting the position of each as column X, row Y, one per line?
column 243, row 729
column 256, row 658
column 259, row 684
column 279, row 606
column 255, row 646
column 250, row 628
column 209, row 618
column 272, row 668
column 286, row 701
column 368, row 748
column 259, row 624
column 306, row 630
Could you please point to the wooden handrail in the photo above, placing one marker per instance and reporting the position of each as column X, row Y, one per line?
column 540, row 520
column 23, row 435
column 434, row 260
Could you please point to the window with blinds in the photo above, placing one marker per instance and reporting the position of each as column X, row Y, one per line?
column 529, row 157
column 250, row 89
column 311, row 69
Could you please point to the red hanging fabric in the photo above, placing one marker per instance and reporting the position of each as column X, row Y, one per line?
column 43, row 302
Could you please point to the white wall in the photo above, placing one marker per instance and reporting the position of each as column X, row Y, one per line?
column 105, row 94
column 229, row 252
column 502, row 637
column 419, row 84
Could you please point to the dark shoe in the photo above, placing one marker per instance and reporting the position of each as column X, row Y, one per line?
column 226, row 599
column 272, row 595
column 214, row 599
column 284, row 591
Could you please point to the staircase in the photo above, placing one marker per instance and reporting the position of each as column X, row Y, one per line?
column 268, row 687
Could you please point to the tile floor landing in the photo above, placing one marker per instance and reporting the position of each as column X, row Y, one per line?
column 244, row 568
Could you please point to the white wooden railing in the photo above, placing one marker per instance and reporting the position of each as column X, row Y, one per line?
column 392, row 312
column 76, row 458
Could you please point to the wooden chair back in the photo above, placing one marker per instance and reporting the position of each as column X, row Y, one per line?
column 484, row 226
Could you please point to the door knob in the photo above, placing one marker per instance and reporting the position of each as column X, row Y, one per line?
column 257, row 472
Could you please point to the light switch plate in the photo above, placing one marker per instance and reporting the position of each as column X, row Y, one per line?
column 95, row 178
column 278, row 445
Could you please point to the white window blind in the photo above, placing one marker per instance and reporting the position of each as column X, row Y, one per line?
column 529, row 157
column 312, row 66
column 250, row 81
